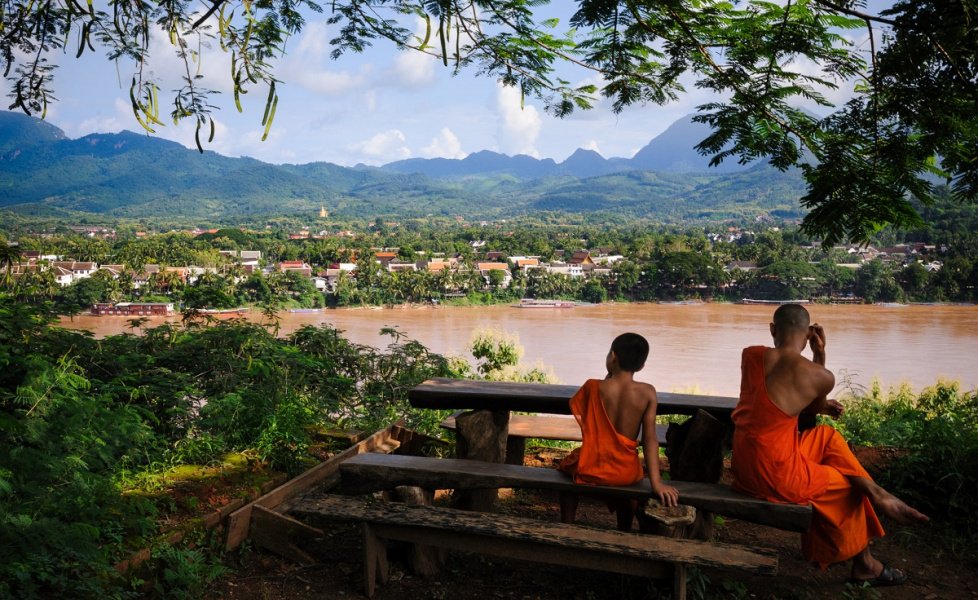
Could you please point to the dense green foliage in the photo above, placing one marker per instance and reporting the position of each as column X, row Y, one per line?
column 660, row 263
column 935, row 435
column 81, row 418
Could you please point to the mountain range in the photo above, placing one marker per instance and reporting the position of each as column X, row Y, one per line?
column 129, row 175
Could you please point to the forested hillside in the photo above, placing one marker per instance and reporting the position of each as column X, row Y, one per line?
column 128, row 175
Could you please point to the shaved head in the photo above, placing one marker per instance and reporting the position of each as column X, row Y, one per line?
column 791, row 317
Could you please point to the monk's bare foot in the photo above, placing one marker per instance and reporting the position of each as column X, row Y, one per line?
column 864, row 568
column 884, row 576
column 900, row 511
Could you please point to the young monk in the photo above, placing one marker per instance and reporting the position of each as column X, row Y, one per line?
column 773, row 461
column 612, row 412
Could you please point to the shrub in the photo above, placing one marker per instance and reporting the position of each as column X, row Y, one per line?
column 938, row 429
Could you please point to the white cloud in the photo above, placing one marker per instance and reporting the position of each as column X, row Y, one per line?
column 383, row 147
column 518, row 127
column 445, row 145
column 304, row 65
column 412, row 69
column 121, row 118
column 592, row 145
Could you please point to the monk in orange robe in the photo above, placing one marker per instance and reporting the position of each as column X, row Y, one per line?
column 773, row 461
column 611, row 413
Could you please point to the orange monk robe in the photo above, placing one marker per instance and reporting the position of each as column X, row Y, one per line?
column 773, row 461
column 605, row 456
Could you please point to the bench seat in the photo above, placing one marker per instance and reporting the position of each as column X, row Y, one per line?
column 368, row 473
column 519, row 538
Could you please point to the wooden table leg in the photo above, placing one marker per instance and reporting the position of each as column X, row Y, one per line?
column 480, row 435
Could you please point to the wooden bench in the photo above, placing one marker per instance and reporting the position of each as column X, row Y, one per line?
column 542, row 427
column 376, row 472
column 518, row 538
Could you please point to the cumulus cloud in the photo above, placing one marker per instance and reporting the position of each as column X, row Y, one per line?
column 305, row 65
column 120, row 118
column 383, row 147
column 412, row 69
column 592, row 145
column 445, row 145
column 518, row 126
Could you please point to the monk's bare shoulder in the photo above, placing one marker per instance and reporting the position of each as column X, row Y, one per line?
column 646, row 393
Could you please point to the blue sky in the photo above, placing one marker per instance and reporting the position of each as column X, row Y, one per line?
column 373, row 108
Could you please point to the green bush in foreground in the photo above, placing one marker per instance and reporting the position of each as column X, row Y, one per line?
column 83, row 420
column 936, row 434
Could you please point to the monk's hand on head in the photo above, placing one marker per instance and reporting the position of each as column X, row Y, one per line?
column 816, row 338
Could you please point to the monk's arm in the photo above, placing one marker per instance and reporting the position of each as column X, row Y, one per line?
column 666, row 494
column 822, row 381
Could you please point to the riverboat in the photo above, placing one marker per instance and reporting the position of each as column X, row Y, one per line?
column 535, row 303
column 132, row 309
column 305, row 310
column 222, row 311
column 772, row 302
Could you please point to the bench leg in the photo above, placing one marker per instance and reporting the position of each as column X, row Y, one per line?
column 568, row 506
column 515, row 450
column 679, row 582
column 374, row 560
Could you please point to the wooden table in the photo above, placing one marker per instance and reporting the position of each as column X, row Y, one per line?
column 455, row 394
column 483, row 431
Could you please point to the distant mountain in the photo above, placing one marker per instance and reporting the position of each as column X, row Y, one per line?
column 42, row 172
column 481, row 163
column 18, row 130
column 672, row 151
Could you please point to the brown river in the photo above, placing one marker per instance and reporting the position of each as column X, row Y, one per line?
column 695, row 347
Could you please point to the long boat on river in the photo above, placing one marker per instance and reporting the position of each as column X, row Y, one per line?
column 539, row 303
column 772, row 302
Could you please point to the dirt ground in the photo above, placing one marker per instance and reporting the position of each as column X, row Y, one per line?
column 934, row 571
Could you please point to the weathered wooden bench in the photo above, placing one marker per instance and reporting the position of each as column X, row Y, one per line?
column 519, row 538
column 376, row 472
column 541, row 427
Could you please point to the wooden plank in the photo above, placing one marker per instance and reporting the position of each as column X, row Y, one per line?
column 277, row 532
column 523, row 549
column 549, row 427
column 372, row 472
column 240, row 520
column 450, row 394
column 549, row 535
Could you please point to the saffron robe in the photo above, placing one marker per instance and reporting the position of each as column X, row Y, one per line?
column 605, row 456
column 773, row 461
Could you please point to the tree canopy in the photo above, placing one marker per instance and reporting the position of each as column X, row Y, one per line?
column 910, row 124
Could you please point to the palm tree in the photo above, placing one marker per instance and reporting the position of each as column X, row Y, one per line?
column 10, row 256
